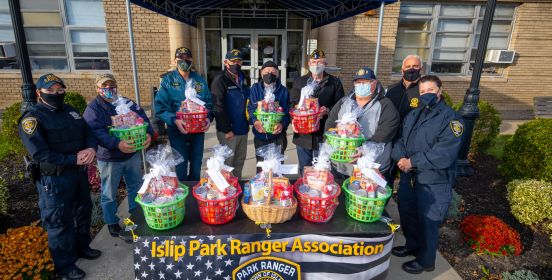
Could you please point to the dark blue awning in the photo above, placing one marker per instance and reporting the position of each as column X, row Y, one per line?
column 320, row 12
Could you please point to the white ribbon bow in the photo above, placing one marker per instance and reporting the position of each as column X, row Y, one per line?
column 191, row 93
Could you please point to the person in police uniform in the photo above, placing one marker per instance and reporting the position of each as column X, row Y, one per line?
column 426, row 153
column 61, row 144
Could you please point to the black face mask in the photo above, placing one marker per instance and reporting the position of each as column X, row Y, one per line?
column 411, row 74
column 234, row 68
column 269, row 78
column 54, row 100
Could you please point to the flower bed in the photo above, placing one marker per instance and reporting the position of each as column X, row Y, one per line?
column 490, row 235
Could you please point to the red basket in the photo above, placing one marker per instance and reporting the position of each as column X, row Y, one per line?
column 305, row 123
column 219, row 211
column 194, row 122
column 316, row 209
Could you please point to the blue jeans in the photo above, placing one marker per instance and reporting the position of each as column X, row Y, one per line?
column 110, row 175
column 305, row 157
column 190, row 146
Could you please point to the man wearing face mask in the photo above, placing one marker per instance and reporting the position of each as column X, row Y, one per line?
column 270, row 81
column 329, row 91
column 379, row 118
column 116, row 158
column 426, row 152
column 168, row 101
column 404, row 95
column 230, row 94
column 61, row 144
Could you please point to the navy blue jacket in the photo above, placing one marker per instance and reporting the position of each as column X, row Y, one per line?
column 55, row 136
column 431, row 138
column 98, row 115
column 257, row 94
column 229, row 103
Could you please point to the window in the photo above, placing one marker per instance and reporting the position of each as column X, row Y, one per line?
column 6, row 35
column 445, row 36
column 62, row 35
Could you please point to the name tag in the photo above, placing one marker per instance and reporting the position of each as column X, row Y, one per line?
column 233, row 87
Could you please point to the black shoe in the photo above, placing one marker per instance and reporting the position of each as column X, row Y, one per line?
column 114, row 230
column 403, row 251
column 414, row 267
column 90, row 254
column 126, row 236
column 73, row 274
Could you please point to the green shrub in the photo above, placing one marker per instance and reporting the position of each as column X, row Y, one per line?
column 530, row 201
column 4, row 197
column 455, row 207
column 97, row 212
column 10, row 143
column 76, row 100
column 486, row 128
column 528, row 154
column 448, row 100
column 521, row 274
column 549, row 229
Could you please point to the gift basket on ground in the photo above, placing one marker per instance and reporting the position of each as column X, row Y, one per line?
column 306, row 116
column 317, row 192
column 269, row 111
column 218, row 190
column 366, row 192
column 161, row 196
column 347, row 136
column 268, row 197
column 193, row 111
column 127, row 125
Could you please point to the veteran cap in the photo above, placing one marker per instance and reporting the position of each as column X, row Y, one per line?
column 233, row 54
column 182, row 52
column 48, row 80
column 316, row 54
column 364, row 73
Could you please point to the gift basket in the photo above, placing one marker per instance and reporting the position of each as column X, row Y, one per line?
column 218, row 190
column 306, row 116
column 127, row 125
column 193, row 112
column 268, row 197
column 269, row 111
column 161, row 196
column 366, row 192
column 317, row 192
column 347, row 136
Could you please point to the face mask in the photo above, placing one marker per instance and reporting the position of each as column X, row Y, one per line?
column 428, row 99
column 184, row 65
column 234, row 68
column 363, row 90
column 269, row 78
column 411, row 74
column 108, row 93
column 54, row 100
column 317, row 69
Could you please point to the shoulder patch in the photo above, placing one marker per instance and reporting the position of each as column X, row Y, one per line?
column 75, row 115
column 29, row 125
column 414, row 102
column 457, row 128
column 198, row 86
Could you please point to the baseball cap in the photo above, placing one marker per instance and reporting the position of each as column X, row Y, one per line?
column 233, row 54
column 269, row 63
column 182, row 52
column 364, row 73
column 48, row 80
column 102, row 78
column 316, row 54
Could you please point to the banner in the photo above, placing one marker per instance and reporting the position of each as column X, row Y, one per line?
column 254, row 256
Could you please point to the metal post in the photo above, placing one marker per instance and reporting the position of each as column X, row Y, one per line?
column 134, row 68
column 28, row 87
column 469, row 110
column 378, row 45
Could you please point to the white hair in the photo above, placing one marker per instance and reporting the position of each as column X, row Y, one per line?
column 413, row 56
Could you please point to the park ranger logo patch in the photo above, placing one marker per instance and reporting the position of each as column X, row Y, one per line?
column 414, row 102
column 29, row 125
column 75, row 115
column 457, row 128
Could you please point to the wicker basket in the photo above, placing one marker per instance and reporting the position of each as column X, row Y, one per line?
column 305, row 123
column 194, row 122
column 270, row 214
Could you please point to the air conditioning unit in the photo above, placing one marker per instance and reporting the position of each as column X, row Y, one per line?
column 7, row 50
column 500, row 56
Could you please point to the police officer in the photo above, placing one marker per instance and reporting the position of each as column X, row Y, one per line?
column 61, row 143
column 167, row 102
column 426, row 154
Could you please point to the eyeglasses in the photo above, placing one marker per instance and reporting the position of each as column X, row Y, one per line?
column 59, row 91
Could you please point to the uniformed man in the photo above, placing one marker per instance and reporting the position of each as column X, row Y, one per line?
column 404, row 95
column 426, row 154
column 230, row 93
column 61, row 143
column 168, row 101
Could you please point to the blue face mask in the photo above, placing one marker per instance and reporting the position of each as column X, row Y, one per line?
column 363, row 90
column 428, row 99
column 108, row 93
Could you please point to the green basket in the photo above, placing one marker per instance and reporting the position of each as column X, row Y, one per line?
column 345, row 147
column 364, row 209
column 165, row 216
column 136, row 135
column 269, row 120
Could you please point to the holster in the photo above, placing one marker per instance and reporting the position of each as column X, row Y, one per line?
column 32, row 169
